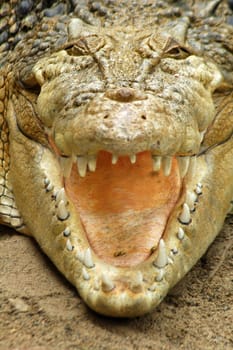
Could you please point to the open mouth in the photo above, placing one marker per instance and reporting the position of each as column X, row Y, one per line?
column 124, row 203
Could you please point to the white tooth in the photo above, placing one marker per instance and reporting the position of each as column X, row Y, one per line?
column 61, row 195
column 170, row 261
column 107, row 284
column 133, row 158
column 92, row 162
column 180, row 233
column 49, row 187
column 66, row 232
column 88, row 261
column 80, row 256
column 156, row 163
column 160, row 275
column 114, row 159
column 66, row 165
column 82, row 165
column 167, row 164
column 46, row 181
column 185, row 214
column 69, row 245
column 202, row 134
column 85, row 274
column 62, row 212
column 190, row 199
column 192, row 165
column 161, row 259
column 198, row 190
column 183, row 165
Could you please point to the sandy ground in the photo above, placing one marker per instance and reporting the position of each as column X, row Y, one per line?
column 39, row 310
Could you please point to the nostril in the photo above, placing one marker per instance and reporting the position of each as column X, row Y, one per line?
column 106, row 116
column 143, row 116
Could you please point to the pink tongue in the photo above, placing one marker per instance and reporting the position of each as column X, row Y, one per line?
column 124, row 208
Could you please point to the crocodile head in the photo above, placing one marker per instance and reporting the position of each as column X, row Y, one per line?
column 117, row 163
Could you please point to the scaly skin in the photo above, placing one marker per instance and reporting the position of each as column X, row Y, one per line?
column 148, row 84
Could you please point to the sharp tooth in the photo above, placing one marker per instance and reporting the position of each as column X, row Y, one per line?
column 88, row 262
column 183, row 165
column 66, row 165
column 114, row 159
column 180, row 233
column 156, row 163
column 61, row 195
column 161, row 260
column 62, row 212
column 160, row 275
column 198, row 188
column 191, row 199
column 202, row 134
column 185, row 214
column 80, row 256
column 66, row 232
column 82, row 165
column 107, row 284
column 49, row 187
column 192, row 165
column 46, row 181
column 133, row 158
column 85, row 274
column 69, row 245
column 166, row 164
column 92, row 162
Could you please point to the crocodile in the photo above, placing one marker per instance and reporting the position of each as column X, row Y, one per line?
column 117, row 139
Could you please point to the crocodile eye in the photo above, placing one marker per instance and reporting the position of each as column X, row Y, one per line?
column 87, row 45
column 174, row 50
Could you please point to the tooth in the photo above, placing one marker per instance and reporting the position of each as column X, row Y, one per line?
column 161, row 259
column 192, row 165
column 66, row 165
column 183, row 165
column 61, row 195
column 88, row 262
column 49, row 187
column 69, row 245
column 46, row 181
column 66, row 232
column 202, row 134
column 107, row 284
column 160, row 275
column 82, row 165
column 92, row 163
column 191, row 199
column 62, row 212
column 114, row 159
column 156, row 163
column 198, row 189
column 166, row 164
column 185, row 214
column 85, row 274
column 80, row 256
column 133, row 158
column 180, row 233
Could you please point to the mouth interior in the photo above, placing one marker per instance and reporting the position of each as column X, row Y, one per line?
column 124, row 207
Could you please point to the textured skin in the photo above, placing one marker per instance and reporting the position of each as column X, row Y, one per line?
column 123, row 77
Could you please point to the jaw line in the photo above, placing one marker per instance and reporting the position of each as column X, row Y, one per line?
column 110, row 290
